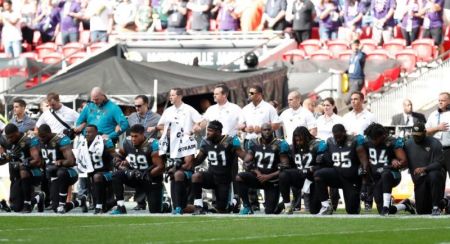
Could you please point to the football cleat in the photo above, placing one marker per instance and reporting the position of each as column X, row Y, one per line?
column 83, row 204
column 139, row 207
column 246, row 211
column 4, row 206
column 119, row 210
column 98, row 211
column 177, row 211
column 198, row 211
column 326, row 210
column 444, row 205
column 288, row 210
column 436, row 211
column 384, row 211
column 410, row 206
column 27, row 208
column 41, row 202
column 61, row 209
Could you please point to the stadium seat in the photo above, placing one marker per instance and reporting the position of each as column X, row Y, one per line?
column 294, row 55
column 375, row 84
column 368, row 45
column 95, row 47
column 345, row 55
column 45, row 49
column 394, row 45
column 366, row 32
column 311, row 46
column 72, row 48
column 392, row 74
column 315, row 33
column 378, row 54
column 77, row 57
column 321, row 55
column 52, row 58
column 398, row 32
column 337, row 46
column 31, row 55
column 425, row 49
column 407, row 59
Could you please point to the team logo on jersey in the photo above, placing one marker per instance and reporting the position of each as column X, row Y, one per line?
column 427, row 149
column 22, row 144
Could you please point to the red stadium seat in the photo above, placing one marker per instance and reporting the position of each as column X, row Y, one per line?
column 52, row 58
column 392, row 74
column 294, row 55
column 368, row 45
column 378, row 54
column 345, row 55
column 425, row 49
column 31, row 55
column 366, row 32
column 95, row 47
column 394, row 45
column 77, row 57
column 321, row 55
column 311, row 46
column 407, row 59
column 337, row 46
column 45, row 49
column 315, row 33
column 72, row 48
column 375, row 84
column 398, row 32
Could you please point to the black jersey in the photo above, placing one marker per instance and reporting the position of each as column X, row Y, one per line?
column 140, row 157
column 221, row 156
column 21, row 149
column 267, row 156
column 381, row 156
column 51, row 151
column 344, row 157
column 305, row 158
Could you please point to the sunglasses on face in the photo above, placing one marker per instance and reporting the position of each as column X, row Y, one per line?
column 138, row 106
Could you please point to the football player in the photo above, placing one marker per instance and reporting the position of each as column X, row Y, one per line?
column 139, row 166
column 222, row 152
column 56, row 150
column 307, row 153
column 346, row 154
column 264, row 156
column 21, row 151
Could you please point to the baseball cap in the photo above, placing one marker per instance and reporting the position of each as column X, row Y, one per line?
column 418, row 128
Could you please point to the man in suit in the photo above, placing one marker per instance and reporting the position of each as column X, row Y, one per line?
column 408, row 117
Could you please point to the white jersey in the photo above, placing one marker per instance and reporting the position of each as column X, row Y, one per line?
column 227, row 114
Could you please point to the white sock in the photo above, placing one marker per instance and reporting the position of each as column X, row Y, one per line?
column 198, row 203
column 386, row 199
column 120, row 203
column 37, row 197
column 400, row 207
column 27, row 202
column 53, row 178
column 100, row 206
column 287, row 205
column 325, row 204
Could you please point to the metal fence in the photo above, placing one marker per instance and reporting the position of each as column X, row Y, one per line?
column 422, row 91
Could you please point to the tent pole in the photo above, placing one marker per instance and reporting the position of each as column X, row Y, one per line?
column 155, row 95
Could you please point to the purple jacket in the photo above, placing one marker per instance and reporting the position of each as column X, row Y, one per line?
column 434, row 17
column 350, row 12
column 68, row 23
column 328, row 22
column 415, row 21
column 380, row 9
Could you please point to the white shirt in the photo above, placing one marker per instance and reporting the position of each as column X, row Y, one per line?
column 325, row 125
column 99, row 12
column 185, row 115
column 258, row 115
column 357, row 123
column 292, row 119
column 227, row 114
column 434, row 120
column 11, row 32
column 66, row 114
column 2, row 126
column 409, row 118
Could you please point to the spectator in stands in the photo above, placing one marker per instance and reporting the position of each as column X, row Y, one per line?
column 446, row 13
column 201, row 14
column 274, row 15
column 100, row 18
column 11, row 32
column 356, row 70
column 84, row 21
column 408, row 117
column 328, row 19
column 431, row 11
column 411, row 21
column 302, row 18
column 383, row 21
column 47, row 19
column 329, row 118
column 124, row 16
column 20, row 117
column 367, row 13
column 69, row 24
column 144, row 20
column 160, row 19
column 250, row 14
column 357, row 120
column 28, row 14
column 176, row 12
column 353, row 15
column 228, row 19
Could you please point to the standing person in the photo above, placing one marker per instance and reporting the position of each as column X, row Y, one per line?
column 387, row 157
column 176, row 12
column 67, row 116
column 222, row 152
column 22, row 153
column 69, row 24
column 20, row 117
column 201, row 14
column 431, row 12
column 47, row 19
column 353, row 15
column 179, row 122
column 410, row 21
column 100, row 17
column 145, row 117
column 355, row 70
column 438, row 126
column 265, row 155
column 302, row 17
column 295, row 116
column 383, row 20
column 328, row 13
column 357, row 120
column 228, row 19
column 274, row 15
column 329, row 118
column 139, row 166
column 408, row 117
column 425, row 163
column 347, row 155
column 11, row 32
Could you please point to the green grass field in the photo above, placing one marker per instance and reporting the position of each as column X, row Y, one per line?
column 194, row 229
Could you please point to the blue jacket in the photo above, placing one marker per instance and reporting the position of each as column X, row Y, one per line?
column 358, row 61
column 105, row 117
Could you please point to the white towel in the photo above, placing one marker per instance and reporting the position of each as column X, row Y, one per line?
column 83, row 153
column 181, row 144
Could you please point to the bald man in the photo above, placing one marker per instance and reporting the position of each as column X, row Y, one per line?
column 408, row 117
